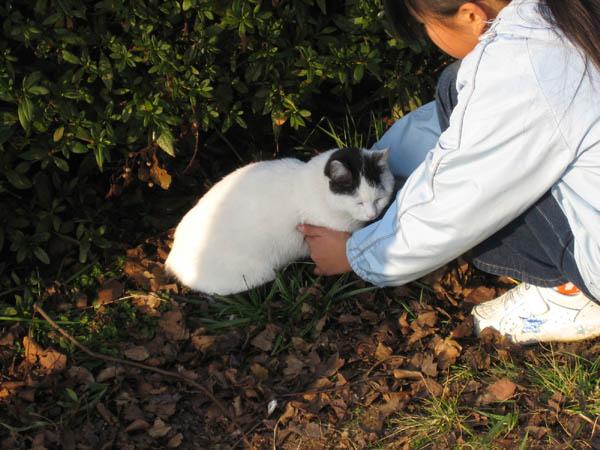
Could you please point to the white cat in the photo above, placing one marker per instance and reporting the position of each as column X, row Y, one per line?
column 244, row 228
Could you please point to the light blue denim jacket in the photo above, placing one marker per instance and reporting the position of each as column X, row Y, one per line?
column 527, row 121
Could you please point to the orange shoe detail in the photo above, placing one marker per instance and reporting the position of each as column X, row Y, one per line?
column 567, row 289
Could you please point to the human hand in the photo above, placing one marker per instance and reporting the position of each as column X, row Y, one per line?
column 327, row 249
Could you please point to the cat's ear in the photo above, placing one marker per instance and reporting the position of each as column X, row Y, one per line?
column 382, row 155
column 337, row 172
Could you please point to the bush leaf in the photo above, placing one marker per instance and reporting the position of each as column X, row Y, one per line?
column 41, row 254
column 165, row 141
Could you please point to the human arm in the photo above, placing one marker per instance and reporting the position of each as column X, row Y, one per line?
column 502, row 152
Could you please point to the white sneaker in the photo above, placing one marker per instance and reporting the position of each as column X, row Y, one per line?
column 527, row 314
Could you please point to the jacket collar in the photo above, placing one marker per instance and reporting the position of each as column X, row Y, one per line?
column 519, row 18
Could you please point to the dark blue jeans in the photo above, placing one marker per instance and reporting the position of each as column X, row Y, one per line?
column 538, row 246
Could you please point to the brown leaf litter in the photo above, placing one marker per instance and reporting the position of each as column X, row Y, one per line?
column 367, row 361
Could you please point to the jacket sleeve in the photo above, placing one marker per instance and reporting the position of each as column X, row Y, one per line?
column 502, row 152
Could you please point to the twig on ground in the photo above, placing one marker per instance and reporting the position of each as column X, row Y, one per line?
column 138, row 365
column 593, row 423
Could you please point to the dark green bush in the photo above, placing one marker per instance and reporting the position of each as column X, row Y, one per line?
column 97, row 95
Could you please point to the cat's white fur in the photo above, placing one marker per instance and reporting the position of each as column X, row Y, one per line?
column 244, row 228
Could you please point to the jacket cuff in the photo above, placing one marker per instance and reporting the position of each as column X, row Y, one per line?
column 358, row 262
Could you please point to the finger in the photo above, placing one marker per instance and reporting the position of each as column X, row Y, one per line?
column 310, row 240
column 310, row 230
column 318, row 271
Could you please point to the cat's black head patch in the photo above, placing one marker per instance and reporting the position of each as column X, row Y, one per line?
column 347, row 166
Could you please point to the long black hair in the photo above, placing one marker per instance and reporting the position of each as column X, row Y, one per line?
column 579, row 20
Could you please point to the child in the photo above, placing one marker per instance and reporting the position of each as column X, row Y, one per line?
column 514, row 171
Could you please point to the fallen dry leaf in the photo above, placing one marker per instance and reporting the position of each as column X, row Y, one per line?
column 137, row 353
column 173, row 325
column 264, row 340
column 294, row 366
column 49, row 360
column 500, row 391
column 481, row 294
column 407, row 374
column 345, row 319
column 175, row 441
column 537, row 432
column 428, row 319
column 109, row 292
column 203, row 342
column 137, row 425
column 147, row 304
column 80, row 375
column 329, row 367
column 383, row 352
column 395, row 401
column 447, row 352
column 259, row 371
column 428, row 386
column 464, row 329
column 106, row 414
column 159, row 428
column 109, row 373
column 429, row 366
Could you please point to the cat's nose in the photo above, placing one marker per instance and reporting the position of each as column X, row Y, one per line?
column 371, row 215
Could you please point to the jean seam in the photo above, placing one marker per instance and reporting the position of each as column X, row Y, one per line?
column 549, row 222
column 509, row 270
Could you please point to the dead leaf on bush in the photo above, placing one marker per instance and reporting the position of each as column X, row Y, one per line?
column 50, row 360
column 159, row 175
column 7, row 339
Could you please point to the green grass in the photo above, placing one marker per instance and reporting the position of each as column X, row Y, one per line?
column 575, row 377
column 296, row 300
column 437, row 419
